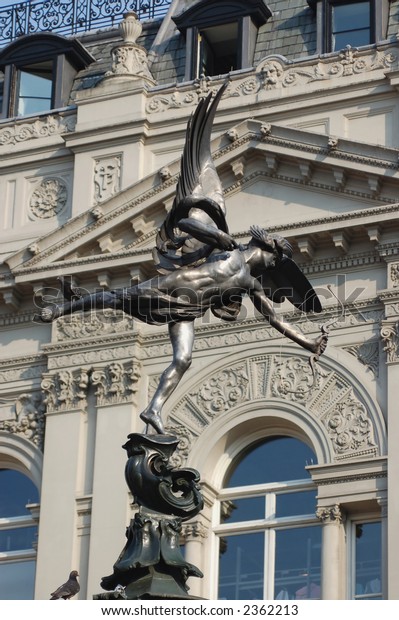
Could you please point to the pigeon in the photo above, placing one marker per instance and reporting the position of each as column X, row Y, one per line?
column 68, row 589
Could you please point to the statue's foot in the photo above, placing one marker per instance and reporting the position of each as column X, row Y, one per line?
column 49, row 314
column 154, row 420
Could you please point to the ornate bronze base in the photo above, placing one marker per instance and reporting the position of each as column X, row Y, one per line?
column 151, row 565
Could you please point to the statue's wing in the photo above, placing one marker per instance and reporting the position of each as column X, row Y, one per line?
column 199, row 192
column 286, row 281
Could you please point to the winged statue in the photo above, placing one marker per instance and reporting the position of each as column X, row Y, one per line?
column 201, row 267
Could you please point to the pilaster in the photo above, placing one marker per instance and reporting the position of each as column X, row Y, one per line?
column 390, row 339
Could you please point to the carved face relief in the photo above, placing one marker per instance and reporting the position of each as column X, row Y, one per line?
column 106, row 177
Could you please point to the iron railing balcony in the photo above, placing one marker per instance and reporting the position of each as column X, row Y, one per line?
column 70, row 17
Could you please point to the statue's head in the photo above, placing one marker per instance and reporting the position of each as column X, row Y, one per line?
column 268, row 242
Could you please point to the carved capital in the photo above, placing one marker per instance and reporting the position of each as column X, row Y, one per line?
column 66, row 390
column 116, row 383
column 194, row 531
column 390, row 337
column 330, row 514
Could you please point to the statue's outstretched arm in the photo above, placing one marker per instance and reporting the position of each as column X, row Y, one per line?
column 207, row 234
column 265, row 307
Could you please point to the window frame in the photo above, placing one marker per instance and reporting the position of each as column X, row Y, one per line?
column 351, row 553
column 67, row 58
column 269, row 525
column 329, row 21
column 28, row 520
column 379, row 13
column 249, row 15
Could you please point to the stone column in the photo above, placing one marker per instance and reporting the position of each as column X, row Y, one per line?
column 384, row 546
column 333, row 553
column 390, row 338
column 116, row 386
column 194, row 534
column 59, row 545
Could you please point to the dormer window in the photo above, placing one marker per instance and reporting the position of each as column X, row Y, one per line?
column 221, row 37
column 38, row 73
column 355, row 23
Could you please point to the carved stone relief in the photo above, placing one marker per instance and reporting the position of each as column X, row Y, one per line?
column 390, row 337
column 349, row 427
column 328, row 396
column 368, row 354
column 275, row 72
column 394, row 273
column 128, row 58
column 40, row 128
column 66, row 389
column 330, row 514
column 227, row 389
column 107, row 174
column 92, row 324
column 116, row 382
column 28, row 419
column 48, row 199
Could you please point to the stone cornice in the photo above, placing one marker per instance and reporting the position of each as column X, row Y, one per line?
column 351, row 218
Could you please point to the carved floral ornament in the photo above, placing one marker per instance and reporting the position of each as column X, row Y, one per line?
column 329, row 398
column 276, row 72
column 48, row 199
column 68, row 389
column 27, row 420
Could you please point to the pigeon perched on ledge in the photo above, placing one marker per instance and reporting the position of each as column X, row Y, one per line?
column 68, row 589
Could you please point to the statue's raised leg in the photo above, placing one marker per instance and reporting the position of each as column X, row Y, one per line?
column 182, row 338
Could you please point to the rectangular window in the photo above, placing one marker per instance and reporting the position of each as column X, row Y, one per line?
column 350, row 24
column 34, row 88
column 367, row 561
column 218, row 50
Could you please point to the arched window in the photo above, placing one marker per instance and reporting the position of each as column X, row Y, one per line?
column 269, row 537
column 18, row 535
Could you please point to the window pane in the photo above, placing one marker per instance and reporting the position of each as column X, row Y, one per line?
column 351, row 16
column 354, row 38
column 297, row 564
column 16, row 490
column 234, row 510
column 18, row 538
column 275, row 460
column 292, row 504
column 368, row 560
column 17, row 581
column 351, row 25
column 241, row 567
column 35, row 89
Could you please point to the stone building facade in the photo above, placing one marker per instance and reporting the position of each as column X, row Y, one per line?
column 306, row 144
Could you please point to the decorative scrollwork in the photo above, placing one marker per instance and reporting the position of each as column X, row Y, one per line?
column 154, row 483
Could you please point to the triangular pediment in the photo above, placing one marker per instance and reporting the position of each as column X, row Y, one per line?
column 301, row 184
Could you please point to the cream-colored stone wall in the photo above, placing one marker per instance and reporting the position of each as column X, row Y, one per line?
column 296, row 155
